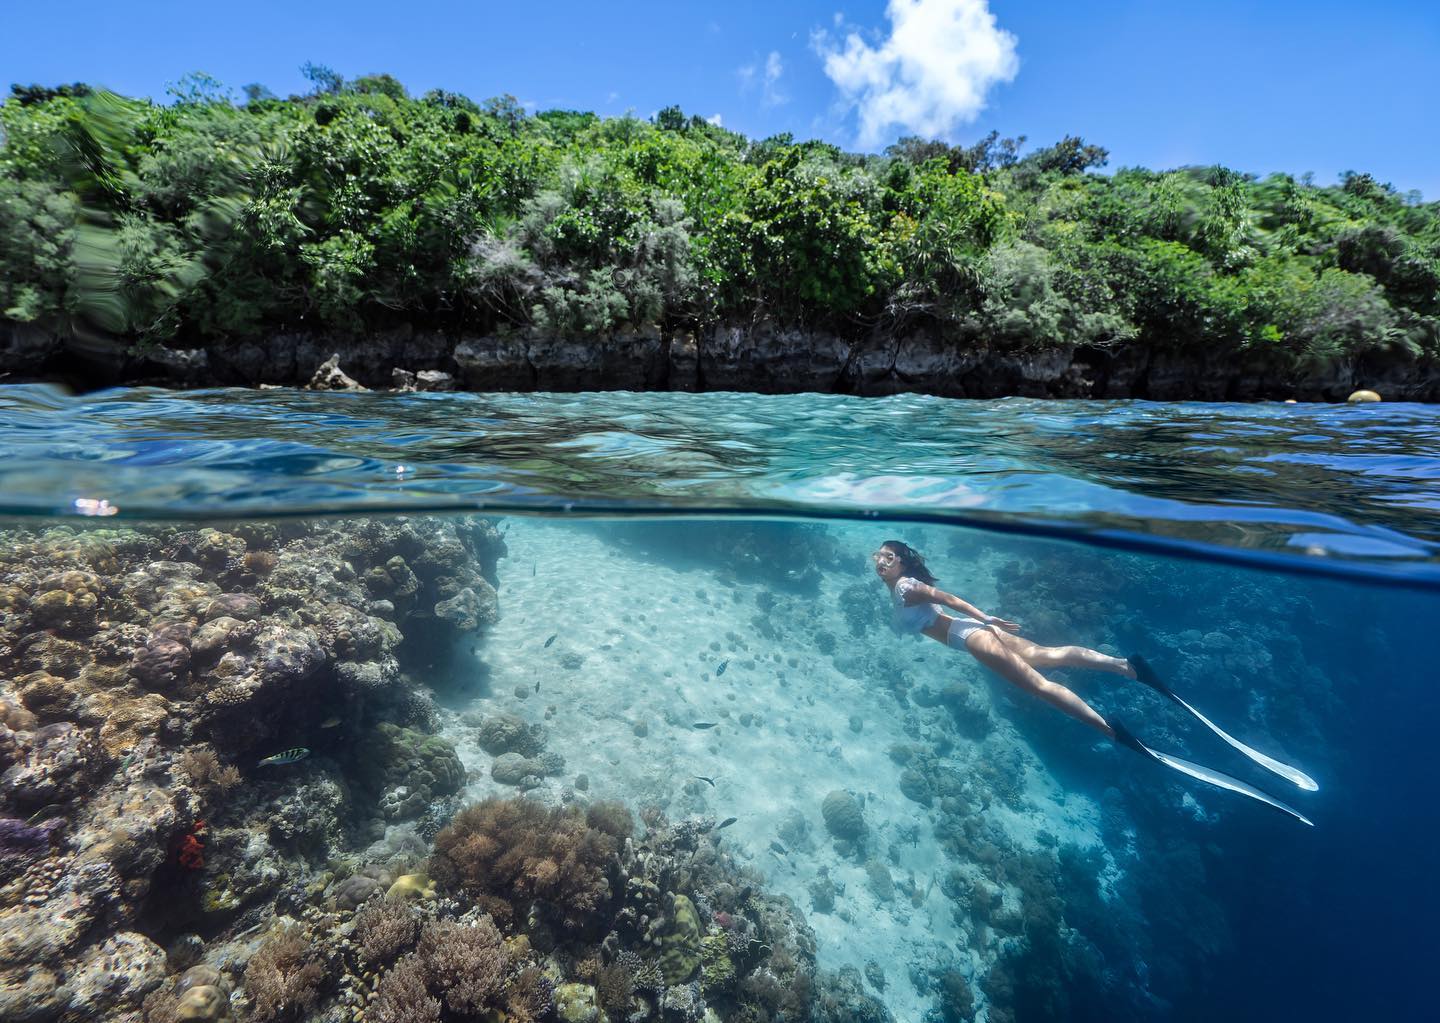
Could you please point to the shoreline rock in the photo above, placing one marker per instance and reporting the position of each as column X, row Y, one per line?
column 760, row 357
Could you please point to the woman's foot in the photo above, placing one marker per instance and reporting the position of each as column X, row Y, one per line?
column 1119, row 666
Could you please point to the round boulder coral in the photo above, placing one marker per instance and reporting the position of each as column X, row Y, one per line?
column 843, row 816
column 507, row 733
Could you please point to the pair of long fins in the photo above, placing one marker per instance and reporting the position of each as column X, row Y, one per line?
column 1146, row 675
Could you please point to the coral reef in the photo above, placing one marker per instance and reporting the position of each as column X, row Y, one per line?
column 510, row 855
column 283, row 978
column 409, row 769
column 143, row 672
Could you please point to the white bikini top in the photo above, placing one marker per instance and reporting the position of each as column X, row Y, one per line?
column 912, row 618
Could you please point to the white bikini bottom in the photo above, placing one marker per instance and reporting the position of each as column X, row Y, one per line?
column 960, row 629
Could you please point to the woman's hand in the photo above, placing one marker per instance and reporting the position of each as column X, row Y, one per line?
column 1001, row 623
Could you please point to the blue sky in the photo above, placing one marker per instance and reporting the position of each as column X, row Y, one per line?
column 1259, row 86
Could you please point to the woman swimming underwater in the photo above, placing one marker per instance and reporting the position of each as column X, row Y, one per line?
column 920, row 607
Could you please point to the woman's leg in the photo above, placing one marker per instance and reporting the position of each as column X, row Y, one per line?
column 1038, row 656
column 989, row 650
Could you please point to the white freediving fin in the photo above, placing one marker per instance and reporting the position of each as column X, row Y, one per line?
column 1146, row 675
column 1205, row 774
column 1224, row 781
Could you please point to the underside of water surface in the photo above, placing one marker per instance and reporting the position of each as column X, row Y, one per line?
column 525, row 763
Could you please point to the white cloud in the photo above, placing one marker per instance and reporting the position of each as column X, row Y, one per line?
column 715, row 120
column 768, row 78
column 931, row 74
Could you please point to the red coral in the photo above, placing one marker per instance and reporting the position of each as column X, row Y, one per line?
column 189, row 850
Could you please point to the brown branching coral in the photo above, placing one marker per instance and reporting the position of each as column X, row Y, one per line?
column 283, row 977
column 614, row 987
column 529, row 996
column 611, row 817
column 384, row 929
column 508, row 853
column 203, row 768
column 467, row 964
column 402, row 996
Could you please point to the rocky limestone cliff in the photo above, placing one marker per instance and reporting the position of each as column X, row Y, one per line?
column 759, row 357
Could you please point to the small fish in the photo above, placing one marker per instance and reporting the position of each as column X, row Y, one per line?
column 331, row 721
column 532, row 570
column 705, row 724
column 552, row 638
column 707, row 781
column 289, row 756
column 726, row 823
column 779, row 849
column 537, row 685
column 721, row 670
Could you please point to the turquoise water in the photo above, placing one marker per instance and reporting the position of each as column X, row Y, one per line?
column 667, row 602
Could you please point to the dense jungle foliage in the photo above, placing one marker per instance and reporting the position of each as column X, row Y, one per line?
column 357, row 207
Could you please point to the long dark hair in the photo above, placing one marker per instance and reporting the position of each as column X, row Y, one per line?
column 911, row 561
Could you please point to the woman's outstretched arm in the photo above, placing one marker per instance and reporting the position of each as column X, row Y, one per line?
column 922, row 593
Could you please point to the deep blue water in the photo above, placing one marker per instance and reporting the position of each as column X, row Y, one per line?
column 1279, row 564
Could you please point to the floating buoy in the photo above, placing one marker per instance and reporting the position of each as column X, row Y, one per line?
column 1363, row 395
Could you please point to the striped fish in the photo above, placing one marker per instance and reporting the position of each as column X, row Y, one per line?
column 289, row 756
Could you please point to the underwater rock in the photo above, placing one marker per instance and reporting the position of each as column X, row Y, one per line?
column 409, row 770
column 914, row 785
column 116, row 976
column 843, row 999
column 309, row 816
column 211, row 639
column 513, row 769
column 969, row 708
column 53, row 764
column 509, row 733
column 353, row 892
column 162, row 664
column 244, row 607
column 208, row 1003
column 68, row 602
column 881, row 884
column 468, row 609
column 368, row 676
column 822, row 894
column 34, row 995
column 576, row 1003
column 199, row 975
column 15, row 716
column 843, row 816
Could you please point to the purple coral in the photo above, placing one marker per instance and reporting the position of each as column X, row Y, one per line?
column 20, row 839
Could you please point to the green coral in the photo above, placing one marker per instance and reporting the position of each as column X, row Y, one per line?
column 717, row 969
column 412, row 886
column 218, row 897
column 576, row 1003
column 680, row 944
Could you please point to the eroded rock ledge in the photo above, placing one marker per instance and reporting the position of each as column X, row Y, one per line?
column 761, row 358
